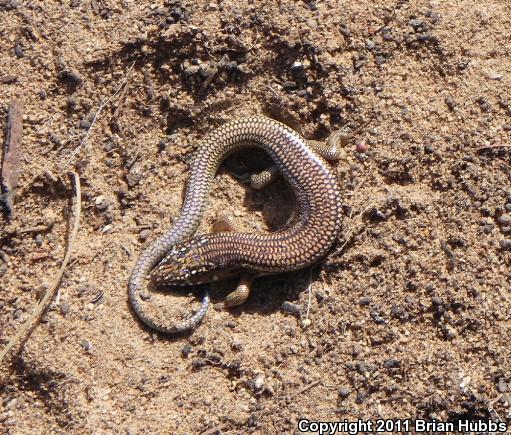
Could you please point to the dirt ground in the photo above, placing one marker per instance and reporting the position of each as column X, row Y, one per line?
column 411, row 313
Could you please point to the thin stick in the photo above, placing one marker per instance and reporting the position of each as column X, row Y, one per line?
column 100, row 109
column 306, row 321
column 42, row 305
column 307, row 388
column 10, row 169
column 489, row 147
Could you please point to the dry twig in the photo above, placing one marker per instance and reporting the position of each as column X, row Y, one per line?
column 10, row 170
column 489, row 147
column 43, row 303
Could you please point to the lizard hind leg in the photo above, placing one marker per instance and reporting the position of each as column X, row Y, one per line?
column 332, row 149
column 225, row 222
column 242, row 292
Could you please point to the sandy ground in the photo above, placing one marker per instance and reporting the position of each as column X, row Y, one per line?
column 411, row 313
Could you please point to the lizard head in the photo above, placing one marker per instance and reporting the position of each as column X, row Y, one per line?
column 190, row 263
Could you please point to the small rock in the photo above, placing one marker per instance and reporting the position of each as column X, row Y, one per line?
column 144, row 235
column 134, row 176
column 501, row 385
column 344, row 30
column 436, row 301
column 72, row 102
column 377, row 215
column 18, row 50
column 186, row 350
column 102, row 204
column 392, row 364
column 415, row 23
column 109, row 147
column 65, row 308
column 361, row 147
column 236, row 345
column 449, row 332
column 289, row 85
column 297, row 66
column 85, row 123
column 450, row 102
column 71, row 76
column 256, row 383
column 504, row 219
column 344, row 393
column 505, row 244
column 38, row 240
column 259, row 381
column 86, row 345
column 364, row 301
column 291, row 308
column 370, row 44
column 361, row 397
column 8, row 79
column 6, row 400
column 361, row 367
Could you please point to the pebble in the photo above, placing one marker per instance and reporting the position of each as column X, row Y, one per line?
column 370, row 44
column 289, row 85
column 504, row 219
column 86, row 345
column 259, row 381
column 361, row 147
column 297, row 66
column 71, row 76
column 436, row 301
column 449, row 332
column 71, row 102
column 361, row 367
column 392, row 364
column 364, row 301
column 18, row 50
column 38, row 240
column 186, row 350
column 450, row 102
column 256, row 383
column 236, row 345
column 377, row 215
column 102, row 204
column 291, row 308
column 144, row 235
column 505, row 244
column 344, row 393
column 85, row 123
column 415, row 23
column 501, row 385
column 361, row 397
column 65, row 308
column 134, row 176
column 344, row 30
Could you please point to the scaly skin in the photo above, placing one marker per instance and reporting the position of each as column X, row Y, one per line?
column 181, row 259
